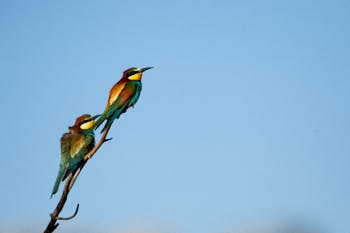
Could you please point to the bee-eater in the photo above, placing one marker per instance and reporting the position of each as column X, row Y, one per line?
column 123, row 95
column 74, row 146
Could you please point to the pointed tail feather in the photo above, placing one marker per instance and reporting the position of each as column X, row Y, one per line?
column 108, row 123
column 59, row 178
column 99, row 121
column 115, row 116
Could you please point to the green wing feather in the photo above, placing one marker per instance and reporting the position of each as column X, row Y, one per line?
column 81, row 145
column 65, row 160
column 73, row 149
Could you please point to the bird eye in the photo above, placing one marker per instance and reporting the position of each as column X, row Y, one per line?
column 132, row 73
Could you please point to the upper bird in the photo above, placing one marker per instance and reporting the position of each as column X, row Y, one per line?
column 123, row 95
column 75, row 145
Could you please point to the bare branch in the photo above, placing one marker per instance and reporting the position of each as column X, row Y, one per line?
column 108, row 139
column 69, row 184
column 69, row 218
column 89, row 155
column 99, row 144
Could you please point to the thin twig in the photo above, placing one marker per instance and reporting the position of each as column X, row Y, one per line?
column 69, row 218
column 68, row 186
column 52, row 224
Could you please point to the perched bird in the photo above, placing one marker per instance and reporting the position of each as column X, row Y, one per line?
column 74, row 146
column 123, row 95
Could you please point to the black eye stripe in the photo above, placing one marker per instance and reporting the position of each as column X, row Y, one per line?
column 132, row 73
column 85, row 121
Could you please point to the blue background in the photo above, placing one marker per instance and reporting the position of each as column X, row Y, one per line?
column 244, row 118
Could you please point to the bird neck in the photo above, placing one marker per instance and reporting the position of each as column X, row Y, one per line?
column 88, row 132
column 137, row 82
column 75, row 129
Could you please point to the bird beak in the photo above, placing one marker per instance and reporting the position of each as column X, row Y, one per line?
column 94, row 117
column 146, row 68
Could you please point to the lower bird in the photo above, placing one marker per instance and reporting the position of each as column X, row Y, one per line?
column 74, row 146
column 123, row 95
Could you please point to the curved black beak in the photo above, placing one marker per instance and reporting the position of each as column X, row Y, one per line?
column 94, row 117
column 146, row 68
column 90, row 119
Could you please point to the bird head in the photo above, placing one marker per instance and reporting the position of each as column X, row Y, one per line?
column 85, row 121
column 135, row 74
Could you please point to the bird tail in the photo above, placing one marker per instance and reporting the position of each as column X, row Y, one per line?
column 99, row 121
column 59, row 178
column 108, row 123
column 115, row 115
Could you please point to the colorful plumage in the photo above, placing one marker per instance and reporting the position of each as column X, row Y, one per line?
column 123, row 95
column 74, row 146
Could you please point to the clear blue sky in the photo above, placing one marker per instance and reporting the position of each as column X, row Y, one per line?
column 244, row 117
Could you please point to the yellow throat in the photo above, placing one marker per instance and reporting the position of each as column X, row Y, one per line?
column 136, row 77
column 87, row 125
